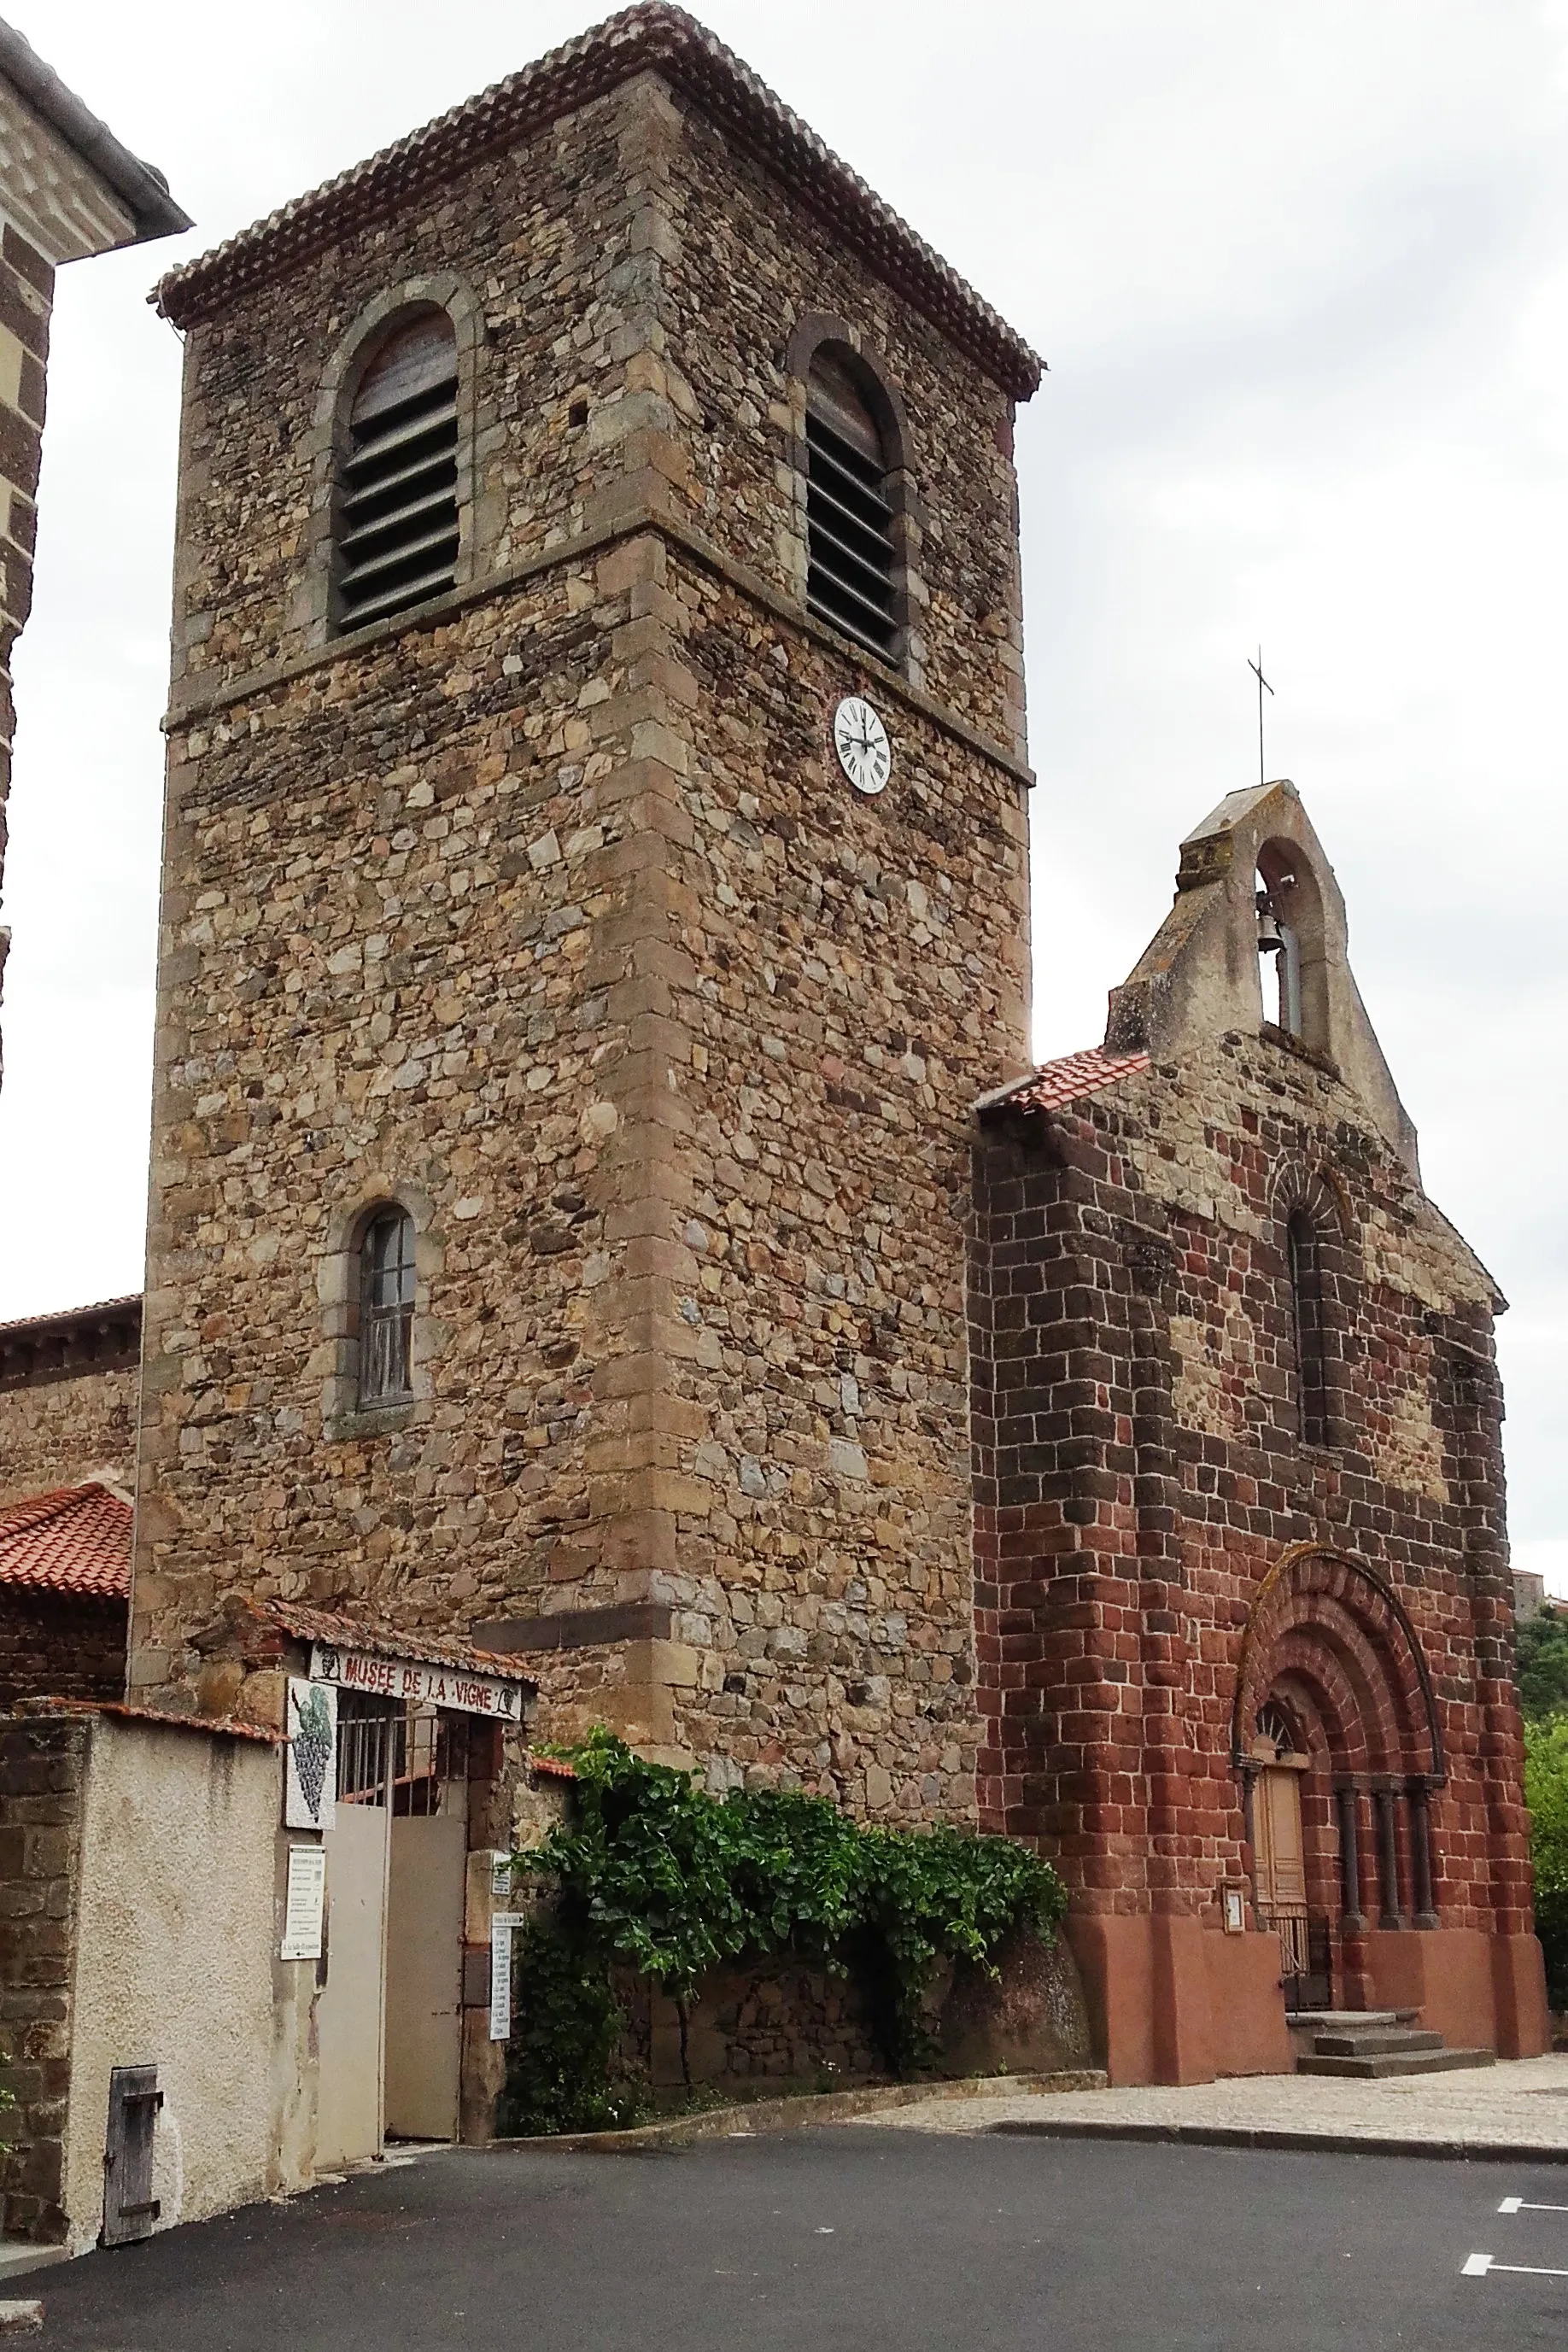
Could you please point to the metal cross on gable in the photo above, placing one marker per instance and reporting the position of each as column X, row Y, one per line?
column 1263, row 688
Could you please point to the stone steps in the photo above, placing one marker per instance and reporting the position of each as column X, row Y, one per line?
column 1382, row 2042
column 1372, row 2045
column 1350, row 2021
column 1380, row 2067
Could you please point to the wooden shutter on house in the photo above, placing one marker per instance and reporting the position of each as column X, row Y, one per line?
column 130, row 2208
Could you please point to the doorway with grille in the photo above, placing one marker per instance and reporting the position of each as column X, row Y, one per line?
column 390, row 2015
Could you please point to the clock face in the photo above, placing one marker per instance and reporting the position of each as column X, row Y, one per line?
column 861, row 743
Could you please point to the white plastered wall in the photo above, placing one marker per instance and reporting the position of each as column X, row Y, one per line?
column 179, row 1909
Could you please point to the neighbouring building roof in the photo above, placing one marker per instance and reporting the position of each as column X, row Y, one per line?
column 140, row 189
column 651, row 38
column 1056, row 1084
column 74, row 1539
column 216, row 1727
column 101, row 1338
column 383, row 1641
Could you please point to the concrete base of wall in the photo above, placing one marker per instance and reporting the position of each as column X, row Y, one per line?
column 1171, row 2002
column 1518, row 1993
column 1479, row 1992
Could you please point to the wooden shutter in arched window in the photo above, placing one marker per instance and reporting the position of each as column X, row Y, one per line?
column 851, row 557
column 397, row 491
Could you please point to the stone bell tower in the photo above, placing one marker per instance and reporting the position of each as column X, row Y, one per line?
column 597, row 854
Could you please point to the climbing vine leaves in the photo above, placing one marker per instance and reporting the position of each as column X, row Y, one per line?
column 653, row 1875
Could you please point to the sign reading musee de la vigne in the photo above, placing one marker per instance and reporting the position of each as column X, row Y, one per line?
column 427, row 1686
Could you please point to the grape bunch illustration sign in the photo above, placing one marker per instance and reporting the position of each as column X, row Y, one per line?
column 311, row 1771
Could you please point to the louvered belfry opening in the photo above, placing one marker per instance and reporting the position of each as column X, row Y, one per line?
column 851, row 556
column 396, row 536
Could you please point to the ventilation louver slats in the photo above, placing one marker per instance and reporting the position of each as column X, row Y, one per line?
column 397, row 487
column 849, row 540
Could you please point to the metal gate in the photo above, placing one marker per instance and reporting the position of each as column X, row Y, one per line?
column 1306, row 1973
column 392, row 2011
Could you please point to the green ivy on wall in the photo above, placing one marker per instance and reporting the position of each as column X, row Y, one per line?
column 1546, row 1794
column 653, row 1873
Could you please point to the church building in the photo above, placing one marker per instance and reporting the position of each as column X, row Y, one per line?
column 607, row 1235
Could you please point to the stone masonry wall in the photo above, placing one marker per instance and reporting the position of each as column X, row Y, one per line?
column 59, row 1643
column 756, row 256
column 825, row 1539
column 550, row 914
column 42, row 1771
column 638, row 284
column 60, row 1432
column 766, row 2023
column 754, row 2027
column 408, row 1003
column 1140, row 1473
column 550, row 244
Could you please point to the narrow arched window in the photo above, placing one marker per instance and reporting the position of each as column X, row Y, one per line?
column 1303, row 1257
column 395, row 520
column 386, row 1309
column 852, row 558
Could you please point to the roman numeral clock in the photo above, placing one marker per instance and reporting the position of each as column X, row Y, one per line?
column 860, row 740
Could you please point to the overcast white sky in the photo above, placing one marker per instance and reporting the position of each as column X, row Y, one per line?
column 1302, row 276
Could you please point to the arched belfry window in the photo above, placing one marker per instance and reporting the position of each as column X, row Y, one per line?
column 1304, row 1259
column 396, row 529
column 387, row 1307
column 1279, row 943
column 852, row 556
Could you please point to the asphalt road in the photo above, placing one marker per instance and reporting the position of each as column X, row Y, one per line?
column 849, row 2240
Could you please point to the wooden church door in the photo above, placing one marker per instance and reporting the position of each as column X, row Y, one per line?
column 1281, row 1849
column 1282, row 1872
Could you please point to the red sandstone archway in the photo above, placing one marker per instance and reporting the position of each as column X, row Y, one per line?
column 1330, row 1650
column 1328, row 1621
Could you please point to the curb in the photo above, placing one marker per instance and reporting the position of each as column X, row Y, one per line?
column 16, row 2317
column 1330, row 2143
column 757, row 2119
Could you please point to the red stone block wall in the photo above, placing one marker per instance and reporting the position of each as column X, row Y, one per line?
column 1141, row 1476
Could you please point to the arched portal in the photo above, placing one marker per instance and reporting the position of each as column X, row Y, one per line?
column 1335, row 1735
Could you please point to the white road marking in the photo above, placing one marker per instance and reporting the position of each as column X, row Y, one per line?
column 1483, row 2266
column 1521, row 2205
column 1511, row 2204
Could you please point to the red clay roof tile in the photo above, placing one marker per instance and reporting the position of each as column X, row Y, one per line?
column 72, row 1540
column 1056, row 1084
column 653, row 38
column 217, row 1727
column 96, row 1310
column 384, row 1641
